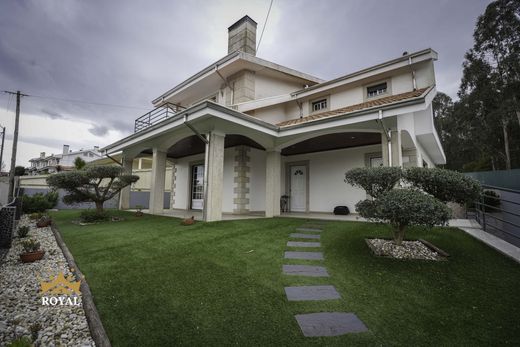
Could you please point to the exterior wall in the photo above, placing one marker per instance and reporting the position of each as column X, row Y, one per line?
column 326, row 174
column 274, row 114
column 267, row 86
column 257, row 176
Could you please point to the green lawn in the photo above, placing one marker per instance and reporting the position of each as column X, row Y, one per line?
column 157, row 283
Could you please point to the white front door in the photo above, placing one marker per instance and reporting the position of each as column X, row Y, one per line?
column 197, row 187
column 298, row 188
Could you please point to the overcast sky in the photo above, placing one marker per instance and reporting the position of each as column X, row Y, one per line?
column 129, row 52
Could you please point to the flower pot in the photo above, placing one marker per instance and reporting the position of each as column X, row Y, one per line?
column 31, row 256
column 139, row 214
column 44, row 223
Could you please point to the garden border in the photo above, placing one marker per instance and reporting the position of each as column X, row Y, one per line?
column 443, row 254
column 97, row 330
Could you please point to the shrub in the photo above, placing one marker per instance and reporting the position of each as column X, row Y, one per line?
column 489, row 198
column 375, row 181
column 39, row 202
column 35, row 215
column 445, row 185
column 23, row 231
column 23, row 341
column 90, row 216
column 30, row 245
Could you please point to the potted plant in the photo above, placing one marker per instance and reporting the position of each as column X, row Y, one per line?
column 23, row 231
column 32, row 251
column 139, row 212
column 43, row 222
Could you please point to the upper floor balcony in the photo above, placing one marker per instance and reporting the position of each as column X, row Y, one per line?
column 156, row 115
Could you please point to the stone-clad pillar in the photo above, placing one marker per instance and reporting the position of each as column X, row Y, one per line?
column 158, row 178
column 273, row 165
column 174, row 185
column 384, row 150
column 241, row 180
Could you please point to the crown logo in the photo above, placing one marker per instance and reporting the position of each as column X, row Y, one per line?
column 61, row 285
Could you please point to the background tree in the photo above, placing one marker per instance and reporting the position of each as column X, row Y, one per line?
column 95, row 184
column 19, row 171
column 79, row 163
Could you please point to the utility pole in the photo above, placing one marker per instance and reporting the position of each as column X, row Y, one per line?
column 10, row 195
column 2, row 148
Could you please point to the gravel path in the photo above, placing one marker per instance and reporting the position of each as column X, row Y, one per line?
column 21, row 311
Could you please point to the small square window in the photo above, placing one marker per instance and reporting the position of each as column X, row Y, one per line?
column 319, row 105
column 376, row 90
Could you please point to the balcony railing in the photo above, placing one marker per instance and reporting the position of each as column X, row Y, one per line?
column 156, row 115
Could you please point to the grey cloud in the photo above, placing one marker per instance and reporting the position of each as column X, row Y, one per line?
column 98, row 130
column 53, row 114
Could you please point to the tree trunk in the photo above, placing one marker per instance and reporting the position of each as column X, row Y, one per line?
column 399, row 235
column 99, row 207
column 506, row 144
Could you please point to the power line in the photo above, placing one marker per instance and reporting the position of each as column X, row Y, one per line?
column 87, row 102
column 265, row 23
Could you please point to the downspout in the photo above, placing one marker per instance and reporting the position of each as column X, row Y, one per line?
column 414, row 81
column 232, row 89
column 113, row 159
column 387, row 135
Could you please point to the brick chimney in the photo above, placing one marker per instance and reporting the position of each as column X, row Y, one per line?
column 242, row 36
column 65, row 149
column 42, row 155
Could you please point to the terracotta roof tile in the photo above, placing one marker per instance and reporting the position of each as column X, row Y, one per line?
column 372, row 103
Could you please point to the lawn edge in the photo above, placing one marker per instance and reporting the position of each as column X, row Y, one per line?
column 96, row 328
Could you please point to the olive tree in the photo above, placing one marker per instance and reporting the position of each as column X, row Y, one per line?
column 95, row 184
column 421, row 202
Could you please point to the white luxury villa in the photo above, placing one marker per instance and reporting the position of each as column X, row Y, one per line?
column 243, row 132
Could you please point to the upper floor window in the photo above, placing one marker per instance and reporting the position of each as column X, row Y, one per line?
column 319, row 105
column 376, row 90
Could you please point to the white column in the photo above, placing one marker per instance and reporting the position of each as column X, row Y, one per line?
column 124, row 195
column 384, row 150
column 158, row 177
column 397, row 151
column 273, row 165
column 214, row 177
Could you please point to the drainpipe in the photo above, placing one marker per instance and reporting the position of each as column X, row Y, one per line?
column 387, row 135
column 414, row 81
column 232, row 89
column 113, row 159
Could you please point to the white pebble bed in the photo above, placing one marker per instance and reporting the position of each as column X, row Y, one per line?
column 21, row 310
column 407, row 250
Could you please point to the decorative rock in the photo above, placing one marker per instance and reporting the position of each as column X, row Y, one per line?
column 303, row 244
column 329, row 324
column 304, row 236
column 407, row 250
column 305, row 270
column 307, row 293
column 304, row 255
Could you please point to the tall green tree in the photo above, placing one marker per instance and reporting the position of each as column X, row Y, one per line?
column 490, row 86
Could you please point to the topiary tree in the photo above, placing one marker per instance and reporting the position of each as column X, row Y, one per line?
column 19, row 171
column 421, row 203
column 79, row 163
column 376, row 181
column 95, row 184
column 445, row 185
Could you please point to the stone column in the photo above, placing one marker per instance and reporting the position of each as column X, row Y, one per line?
column 124, row 195
column 384, row 150
column 174, row 185
column 241, row 180
column 397, row 152
column 158, row 177
column 214, row 177
column 273, row 165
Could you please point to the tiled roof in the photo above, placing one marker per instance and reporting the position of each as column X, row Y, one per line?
column 358, row 107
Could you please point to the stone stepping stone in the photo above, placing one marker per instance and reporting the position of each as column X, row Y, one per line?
column 304, row 255
column 329, row 324
column 305, row 270
column 304, row 236
column 308, row 293
column 316, row 230
column 303, row 244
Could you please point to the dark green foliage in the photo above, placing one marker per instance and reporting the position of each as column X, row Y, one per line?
column 36, row 215
column 19, row 171
column 91, row 216
column 23, row 341
column 375, row 181
column 23, row 231
column 39, row 202
column 490, row 200
column 445, row 185
column 30, row 245
column 79, row 163
column 93, row 184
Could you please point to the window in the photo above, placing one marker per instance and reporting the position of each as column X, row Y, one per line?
column 376, row 90
column 319, row 105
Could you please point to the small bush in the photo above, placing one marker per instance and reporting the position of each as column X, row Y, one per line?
column 30, row 245
column 39, row 202
column 91, row 216
column 376, row 181
column 36, row 216
column 445, row 185
column 489, row 198
column 23, row 341
column 23, row 231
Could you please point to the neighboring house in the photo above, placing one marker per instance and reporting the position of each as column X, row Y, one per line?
column 61, row 162
column 245, row 131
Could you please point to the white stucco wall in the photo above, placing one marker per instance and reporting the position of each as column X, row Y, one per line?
column 266, row 86
column 257, row 180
